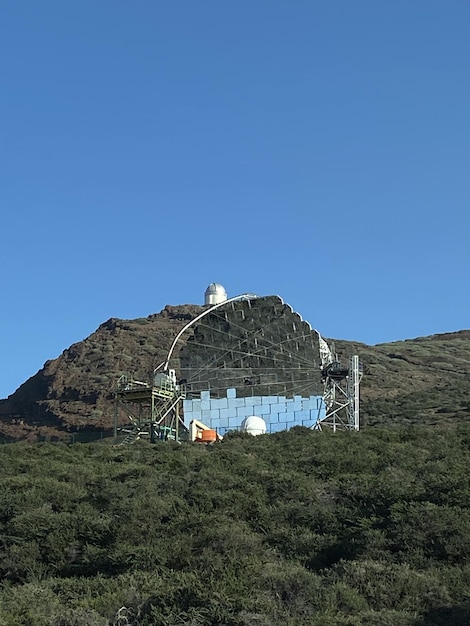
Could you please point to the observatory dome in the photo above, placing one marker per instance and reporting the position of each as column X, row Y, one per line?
column 254, row 425
column 214, row 294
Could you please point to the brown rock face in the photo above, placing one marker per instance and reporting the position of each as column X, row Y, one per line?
column 76, row 390
column 420, row 380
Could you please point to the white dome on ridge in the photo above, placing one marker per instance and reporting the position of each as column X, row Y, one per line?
column 214, row 294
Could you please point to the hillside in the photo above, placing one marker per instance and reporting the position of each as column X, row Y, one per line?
column 418, row 380
column 424, row 380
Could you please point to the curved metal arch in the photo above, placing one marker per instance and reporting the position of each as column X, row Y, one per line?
column 243, row 296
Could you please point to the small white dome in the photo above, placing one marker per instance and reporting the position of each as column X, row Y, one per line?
column 214, row 294
column 254, row 425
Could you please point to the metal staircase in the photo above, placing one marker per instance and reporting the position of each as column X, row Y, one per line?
column 131, row 437
column 167, row 405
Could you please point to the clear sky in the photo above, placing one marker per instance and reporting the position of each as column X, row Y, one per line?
column 318, row 150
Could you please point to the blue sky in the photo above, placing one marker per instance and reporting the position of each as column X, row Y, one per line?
column 315, row 150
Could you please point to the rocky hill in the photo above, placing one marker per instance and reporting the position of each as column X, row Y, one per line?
column 425, row 379
column 76, row 390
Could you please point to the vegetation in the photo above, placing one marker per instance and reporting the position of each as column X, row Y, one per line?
column 298, row 528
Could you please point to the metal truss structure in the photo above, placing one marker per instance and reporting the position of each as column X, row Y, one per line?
column 153, row 411
column 253, row 347
column 340, row 391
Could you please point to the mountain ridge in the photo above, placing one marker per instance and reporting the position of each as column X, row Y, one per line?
column 422, row 379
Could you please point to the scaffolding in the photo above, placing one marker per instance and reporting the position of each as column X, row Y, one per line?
column 153, row 412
